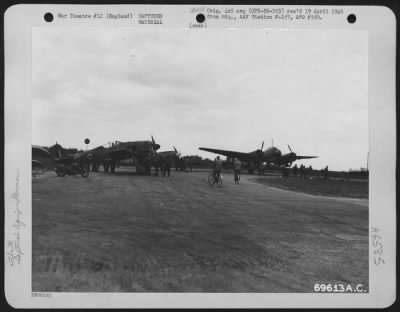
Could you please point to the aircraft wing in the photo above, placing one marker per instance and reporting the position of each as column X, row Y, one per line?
column 305, row 157
column 231, row 154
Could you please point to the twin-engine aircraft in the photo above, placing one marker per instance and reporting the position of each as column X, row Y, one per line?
column 254, row 158
column 271, row 155
column 141, row 152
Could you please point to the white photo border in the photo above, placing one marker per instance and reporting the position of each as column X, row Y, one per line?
column 378, row 21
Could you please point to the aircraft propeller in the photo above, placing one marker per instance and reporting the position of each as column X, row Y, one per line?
column 259, row 152
column 178, row 154
column 155, row 146
column 294, row 155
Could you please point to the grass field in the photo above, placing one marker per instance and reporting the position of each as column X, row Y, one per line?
column 330, row 187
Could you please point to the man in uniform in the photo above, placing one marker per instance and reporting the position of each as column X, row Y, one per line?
column 285, row 172
column 310, row 171
column 237, row 165
column 302, row 171
column 167, row 166
column 261, row 170
column 326, row 173
column 217, row 167
column 295, row 171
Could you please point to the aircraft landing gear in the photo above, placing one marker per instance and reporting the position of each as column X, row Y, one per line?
column 106, row 167
column 113, row 167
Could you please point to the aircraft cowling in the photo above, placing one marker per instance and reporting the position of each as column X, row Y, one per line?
column 259, row 154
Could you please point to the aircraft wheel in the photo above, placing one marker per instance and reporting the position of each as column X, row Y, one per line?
column 211, row 179
column 220, row 180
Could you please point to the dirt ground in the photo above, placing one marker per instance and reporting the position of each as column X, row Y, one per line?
column 127, row 233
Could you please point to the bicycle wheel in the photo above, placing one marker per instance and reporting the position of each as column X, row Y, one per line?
column 211, row 179
column 220, row 180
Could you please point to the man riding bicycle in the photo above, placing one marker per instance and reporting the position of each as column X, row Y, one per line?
column 217, row 168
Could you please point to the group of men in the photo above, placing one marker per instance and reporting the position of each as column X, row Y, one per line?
column 237, row 165
column 184, row 164
column 162, row 164
column 304, row 172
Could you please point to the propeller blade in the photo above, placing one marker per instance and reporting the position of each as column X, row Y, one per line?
column 290, row 148
column 155, row 145
column 306, row 157
column 178, row 154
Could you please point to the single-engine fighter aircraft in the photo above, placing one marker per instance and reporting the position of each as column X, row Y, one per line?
column 286, row 160
column 142, row 152
column 255, row 158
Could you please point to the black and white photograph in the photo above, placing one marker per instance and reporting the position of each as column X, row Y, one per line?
column 204, row 157
column 188, row 161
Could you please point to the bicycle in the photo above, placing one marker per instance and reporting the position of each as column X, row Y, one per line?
column 215, row 178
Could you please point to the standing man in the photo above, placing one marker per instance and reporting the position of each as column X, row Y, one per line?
column 310, row 171
column 237, row 165
column 187, row 164
column 295, row 171
column 190, row 164
column 156, row 160
column 326, row 173
column 301, row 170
column 167, row 166
column 262, row 169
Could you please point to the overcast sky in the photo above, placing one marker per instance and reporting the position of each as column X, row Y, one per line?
column 227, row 89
